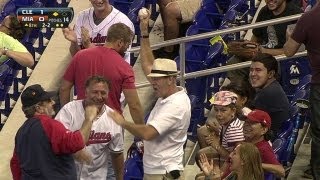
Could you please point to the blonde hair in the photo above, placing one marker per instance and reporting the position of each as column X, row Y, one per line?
column 252, row 165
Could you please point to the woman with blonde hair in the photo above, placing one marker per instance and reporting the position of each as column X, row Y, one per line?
column 245, row 164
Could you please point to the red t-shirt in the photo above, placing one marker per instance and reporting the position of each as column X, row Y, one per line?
column 105, row 62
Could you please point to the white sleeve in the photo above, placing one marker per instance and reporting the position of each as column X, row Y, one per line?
column 77, row 27
column 131, row 26
column 65, row 117
column 116, row 145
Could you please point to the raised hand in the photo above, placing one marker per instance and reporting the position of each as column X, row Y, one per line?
column 213, row 126
column 205, row 165
column 212, row 140
column 69, row 34
column 91, row 112
column 144, row 16
column 85, row 37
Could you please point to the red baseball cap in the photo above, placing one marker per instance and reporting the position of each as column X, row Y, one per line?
column 259, row 116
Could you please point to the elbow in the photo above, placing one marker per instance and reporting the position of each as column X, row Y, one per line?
column 282, row 172
column 288, row 54
column 30, row 62
column 27, row 60
column 287, row 51
column 147, row 137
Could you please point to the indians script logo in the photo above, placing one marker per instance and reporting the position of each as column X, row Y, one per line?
column 99, row 40
column 99, row 137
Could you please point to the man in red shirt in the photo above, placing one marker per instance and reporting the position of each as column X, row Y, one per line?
column 105, row 61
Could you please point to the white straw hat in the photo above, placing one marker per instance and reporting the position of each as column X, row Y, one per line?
column 163, row 67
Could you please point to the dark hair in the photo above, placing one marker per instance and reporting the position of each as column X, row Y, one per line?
column 97, row 79
column 17, row 31
column 31, row 110
column 268, row 61
column 119, row 31
column 269, row 135
column 242, row 88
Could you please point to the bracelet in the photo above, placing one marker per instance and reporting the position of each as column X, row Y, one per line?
column 144, row 36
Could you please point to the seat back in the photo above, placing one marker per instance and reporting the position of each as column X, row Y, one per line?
column 133, row 166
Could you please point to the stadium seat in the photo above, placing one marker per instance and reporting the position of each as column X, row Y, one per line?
column 269, row 176
column 133, row 16
column 134, row 8
column 122, row 5
column 9, row 8
column 30, row 3
column 279, row 146
column 300, row 94
column 4, row 72
column 292, row 72
column 286, row 129
column 305, row 82
column 133, row 166
column 207, row 21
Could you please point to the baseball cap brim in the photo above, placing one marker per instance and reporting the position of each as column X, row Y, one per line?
column 48, row 95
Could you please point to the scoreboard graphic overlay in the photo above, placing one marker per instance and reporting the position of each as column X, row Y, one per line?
column 45, row 17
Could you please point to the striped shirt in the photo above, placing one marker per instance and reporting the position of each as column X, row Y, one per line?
column 232, row 134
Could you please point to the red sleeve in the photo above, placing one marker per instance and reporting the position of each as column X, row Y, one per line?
column 69, row 74
column 129, row 80
column 63, row 141
column 15, row 167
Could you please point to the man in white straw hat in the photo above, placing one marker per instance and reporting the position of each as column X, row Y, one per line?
column 166, row 129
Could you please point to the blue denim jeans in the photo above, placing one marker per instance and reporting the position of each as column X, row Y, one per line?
column 315, row 130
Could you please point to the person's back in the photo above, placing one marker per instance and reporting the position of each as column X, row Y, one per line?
column 32, row 145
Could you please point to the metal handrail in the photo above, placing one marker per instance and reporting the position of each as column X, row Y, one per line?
column 220, row 32
column 223, row 69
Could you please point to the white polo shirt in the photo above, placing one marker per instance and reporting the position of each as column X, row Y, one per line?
column 171, row 118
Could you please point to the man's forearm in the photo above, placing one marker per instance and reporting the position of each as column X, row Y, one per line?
column 23, row 58
column 74, row 48
column 118, row 165
column 146, row 55
column 86, row 129
column 273, row 52
column 64, row 96
column 136, row 114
